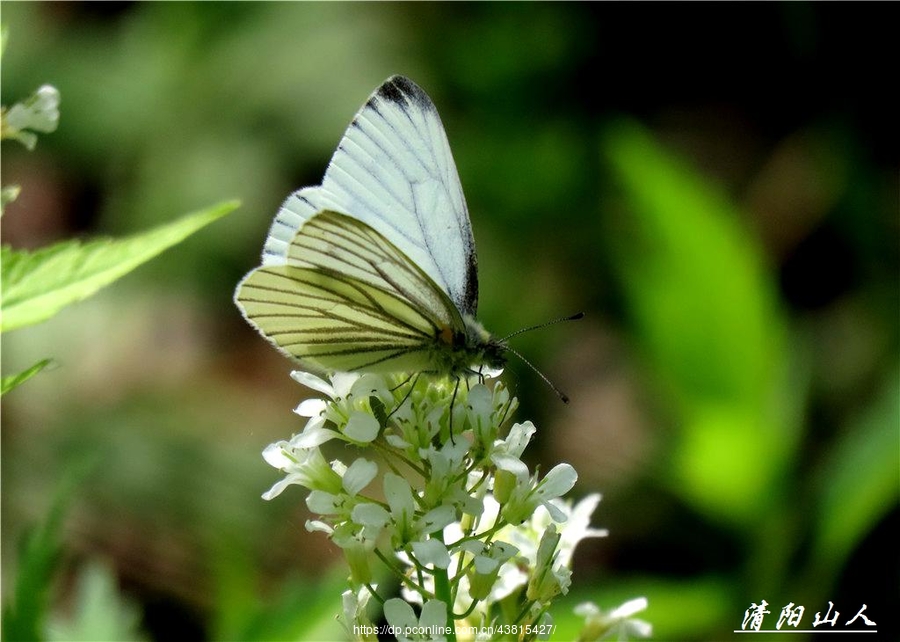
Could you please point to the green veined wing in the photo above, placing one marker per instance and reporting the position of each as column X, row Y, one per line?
column 347, row 299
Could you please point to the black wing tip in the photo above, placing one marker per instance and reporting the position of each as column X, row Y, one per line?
column 400, row 89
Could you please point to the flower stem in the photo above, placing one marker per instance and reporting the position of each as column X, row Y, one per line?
column 442, row 592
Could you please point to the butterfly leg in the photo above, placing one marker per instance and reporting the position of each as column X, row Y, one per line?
column 452, row 404
column 415, row 380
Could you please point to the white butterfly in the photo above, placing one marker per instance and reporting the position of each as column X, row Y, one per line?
column 375, row 270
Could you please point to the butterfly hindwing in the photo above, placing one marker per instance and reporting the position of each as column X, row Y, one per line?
column 393, row 170
column 347, row 299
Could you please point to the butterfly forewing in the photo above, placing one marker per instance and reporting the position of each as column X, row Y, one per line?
column 347, row 300
column 394, row 171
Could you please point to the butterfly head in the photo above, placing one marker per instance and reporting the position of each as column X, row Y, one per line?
column 482, row 348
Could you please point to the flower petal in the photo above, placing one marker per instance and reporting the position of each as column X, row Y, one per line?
column 358, row 476
column 361, row 427
column 629, row 608
column 432, row 551
column 310, row 407
column 434, row 614
column 399, row 614
column 314, row 436
column 368, row 514
column 323, row 503
column 276, row 457
column 518, row 438
column 312, row 381
column 438, row 518
column 277, row 488
column 398, row 495
column 558, row 481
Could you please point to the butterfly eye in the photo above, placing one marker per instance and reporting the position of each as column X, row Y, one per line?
column 446, row 335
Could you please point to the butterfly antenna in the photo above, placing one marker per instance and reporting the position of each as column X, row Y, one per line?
column 559, row 393
column 573, row 317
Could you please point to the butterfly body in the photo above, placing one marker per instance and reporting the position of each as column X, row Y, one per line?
column 458, row 352
column 375, row 269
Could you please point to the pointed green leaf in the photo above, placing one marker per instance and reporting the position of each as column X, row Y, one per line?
column 705, row 309
column 15, row 380
column 37, row 285
column 858, row 483
column 26, row 609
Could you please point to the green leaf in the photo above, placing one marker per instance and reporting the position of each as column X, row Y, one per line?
column 706, row 315
column 37, row 285
column 859, row 481
column 25, row 614
column 15, row 380
column 241, row 615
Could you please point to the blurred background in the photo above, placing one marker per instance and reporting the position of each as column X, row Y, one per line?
column 714, row 185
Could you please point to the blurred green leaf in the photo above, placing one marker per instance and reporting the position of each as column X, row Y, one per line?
column 24, row 616
column 859, row 482
column 706, row 314
column 12, row 381
column 37, row 285
column 302, row 610
column 237, row 600
column 100, row 612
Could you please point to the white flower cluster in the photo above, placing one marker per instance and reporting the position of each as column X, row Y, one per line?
column 443, row 500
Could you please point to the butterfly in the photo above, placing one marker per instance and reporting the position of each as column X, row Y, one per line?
column 375, row 269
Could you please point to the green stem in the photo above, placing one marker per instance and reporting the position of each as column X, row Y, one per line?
column 400, row 575
column 390, row 453
column 374, row 593
column 443, row 592
column 468, row 611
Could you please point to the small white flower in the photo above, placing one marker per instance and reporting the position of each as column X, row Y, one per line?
column 527, row 494
column 37, row 113
column 576, row 526
column 400, row 615
column 616, row 624
column 518, row 438
column 354, row 606
column 497, row 521
column 304, row 466
column 549, row 578
column 486, row 568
